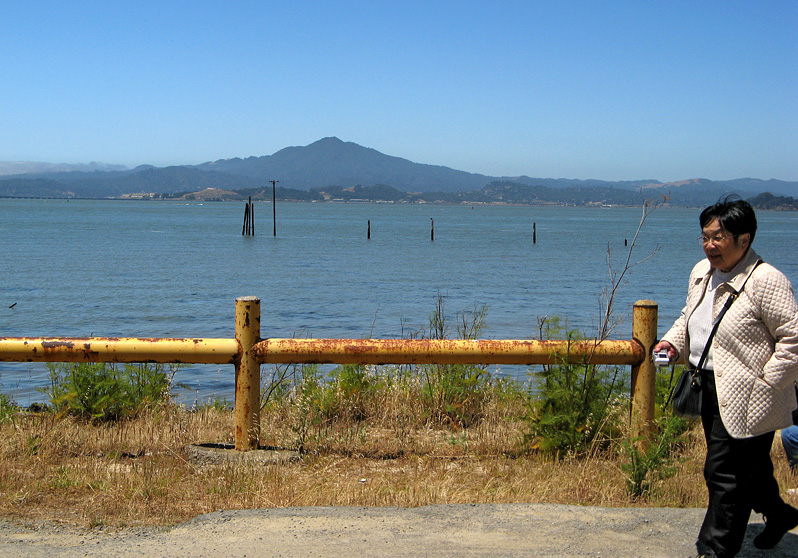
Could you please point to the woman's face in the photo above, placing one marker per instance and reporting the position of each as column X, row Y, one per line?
column 723, row 250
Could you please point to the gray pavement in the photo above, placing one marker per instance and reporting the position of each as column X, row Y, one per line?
column 503, row 530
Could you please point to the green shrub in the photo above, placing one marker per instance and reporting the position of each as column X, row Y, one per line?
column 306, row 403
column 101, row 391
column 444, row 394
column 573, row 406
column 7, row 407
column 352, row 392
column 656, row 460
column 455, row 393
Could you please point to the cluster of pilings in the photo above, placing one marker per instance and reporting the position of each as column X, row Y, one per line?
column 249, row 219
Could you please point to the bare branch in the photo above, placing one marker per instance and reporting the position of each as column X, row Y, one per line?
column 617, row 281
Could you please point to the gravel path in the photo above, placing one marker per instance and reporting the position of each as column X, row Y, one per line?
column 506, row 530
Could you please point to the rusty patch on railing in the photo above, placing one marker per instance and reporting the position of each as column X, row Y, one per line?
column 58, row 344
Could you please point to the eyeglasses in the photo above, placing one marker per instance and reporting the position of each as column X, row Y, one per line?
column 716, row 240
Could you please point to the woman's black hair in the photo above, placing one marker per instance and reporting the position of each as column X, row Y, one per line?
column 733, row 214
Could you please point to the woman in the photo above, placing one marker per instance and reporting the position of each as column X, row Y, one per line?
column 748, row 376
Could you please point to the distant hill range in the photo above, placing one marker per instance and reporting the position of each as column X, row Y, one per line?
column 331, row 169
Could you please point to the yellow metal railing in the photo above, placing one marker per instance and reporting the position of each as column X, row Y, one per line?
column 119, row 349
column 247, row 351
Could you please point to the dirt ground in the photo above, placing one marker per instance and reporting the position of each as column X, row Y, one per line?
column 505, row 530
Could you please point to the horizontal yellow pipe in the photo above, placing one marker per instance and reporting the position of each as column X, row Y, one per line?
column 119, row 349
column 445, row 351
column 336, row 351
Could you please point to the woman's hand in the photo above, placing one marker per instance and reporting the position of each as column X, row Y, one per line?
column 665, row 346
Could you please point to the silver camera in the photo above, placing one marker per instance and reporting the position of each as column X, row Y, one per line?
column 661, row 358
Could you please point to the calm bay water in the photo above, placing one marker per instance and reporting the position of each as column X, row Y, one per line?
column 174, row 269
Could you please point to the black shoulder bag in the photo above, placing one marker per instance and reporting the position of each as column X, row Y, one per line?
column 687, row 394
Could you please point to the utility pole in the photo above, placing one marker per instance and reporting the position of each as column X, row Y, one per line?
column 274, row 204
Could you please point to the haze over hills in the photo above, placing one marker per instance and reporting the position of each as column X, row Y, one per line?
column 28, row 167
column 333, row 164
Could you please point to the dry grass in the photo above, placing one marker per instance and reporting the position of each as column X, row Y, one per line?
column 137, row 472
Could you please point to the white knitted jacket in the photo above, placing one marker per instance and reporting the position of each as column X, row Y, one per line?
column 755, row 350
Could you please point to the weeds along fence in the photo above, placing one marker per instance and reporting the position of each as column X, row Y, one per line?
column 247, row 351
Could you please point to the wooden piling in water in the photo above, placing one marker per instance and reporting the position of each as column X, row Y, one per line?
column 432, row 229
column 274, row 204
column 249, row 219
column 368, row 233
column 534, row 233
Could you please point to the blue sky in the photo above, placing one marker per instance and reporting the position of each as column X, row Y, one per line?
column 607, row 90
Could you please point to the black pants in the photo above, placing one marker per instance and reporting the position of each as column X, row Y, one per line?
column 739, row 477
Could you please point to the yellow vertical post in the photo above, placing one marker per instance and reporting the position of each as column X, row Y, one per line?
column 247, row 401
column 644, row 375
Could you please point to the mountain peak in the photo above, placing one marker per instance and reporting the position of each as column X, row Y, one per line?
column 334, row 145
column 331, row 140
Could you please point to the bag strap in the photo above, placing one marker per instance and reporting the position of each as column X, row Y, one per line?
column 729, row 301
column 732, row 297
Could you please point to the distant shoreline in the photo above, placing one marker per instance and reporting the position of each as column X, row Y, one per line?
column 790, row 205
